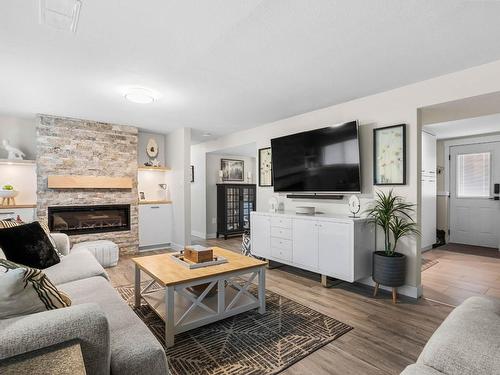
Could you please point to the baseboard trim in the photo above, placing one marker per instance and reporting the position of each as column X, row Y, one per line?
column 198, row 234
column 406, row 290
column 211, row 236
column 162, row 246
column 176, row 246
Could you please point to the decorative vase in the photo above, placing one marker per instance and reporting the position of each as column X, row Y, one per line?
column 389, row 271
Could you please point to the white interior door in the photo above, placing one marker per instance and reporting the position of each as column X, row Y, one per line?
column 474, row 216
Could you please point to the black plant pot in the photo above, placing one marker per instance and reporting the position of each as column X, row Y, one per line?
column 389, row 270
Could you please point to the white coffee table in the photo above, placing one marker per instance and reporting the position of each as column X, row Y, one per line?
column 183, row 310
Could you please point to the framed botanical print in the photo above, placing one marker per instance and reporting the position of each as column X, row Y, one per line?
column 389, row 155
column 232, row 170
column 265, row 167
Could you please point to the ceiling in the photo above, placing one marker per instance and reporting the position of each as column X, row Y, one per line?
column 249, row 150
column 465, row 127
column 220, row 66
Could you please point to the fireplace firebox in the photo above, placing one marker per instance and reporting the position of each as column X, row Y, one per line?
column 86, row 219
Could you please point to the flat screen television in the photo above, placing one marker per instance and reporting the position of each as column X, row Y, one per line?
column 321, row 160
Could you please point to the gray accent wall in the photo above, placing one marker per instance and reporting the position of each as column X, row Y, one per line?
column 142, row 156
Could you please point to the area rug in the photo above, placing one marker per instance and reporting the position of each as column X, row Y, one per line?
column 428, row 263
column 246, row 344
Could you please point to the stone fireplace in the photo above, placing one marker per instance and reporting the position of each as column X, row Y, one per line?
column 73, row 147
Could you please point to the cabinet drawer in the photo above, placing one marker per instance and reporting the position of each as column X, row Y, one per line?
column 281, row 233
column 281, row 243
column 283, row 254
column 281, row 222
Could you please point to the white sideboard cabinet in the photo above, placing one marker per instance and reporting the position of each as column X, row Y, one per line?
column 331, row 245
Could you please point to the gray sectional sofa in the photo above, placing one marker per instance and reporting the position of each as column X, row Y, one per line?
column 113, row 339
column 466, row 343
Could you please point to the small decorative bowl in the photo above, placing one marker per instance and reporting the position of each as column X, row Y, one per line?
column 8, row 193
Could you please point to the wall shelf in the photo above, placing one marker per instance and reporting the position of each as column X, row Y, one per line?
column 155, row 202
column 16, row 162
column 158, row 169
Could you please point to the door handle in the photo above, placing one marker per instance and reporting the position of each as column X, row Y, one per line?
column 155, row 207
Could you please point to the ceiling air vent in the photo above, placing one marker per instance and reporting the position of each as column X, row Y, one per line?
column 60, row 14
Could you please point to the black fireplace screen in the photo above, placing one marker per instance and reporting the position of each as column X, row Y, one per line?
column 89, row 219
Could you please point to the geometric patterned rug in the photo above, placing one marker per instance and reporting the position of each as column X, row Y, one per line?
column 248, row 343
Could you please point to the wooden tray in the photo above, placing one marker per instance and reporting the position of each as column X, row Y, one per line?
column 179, row 258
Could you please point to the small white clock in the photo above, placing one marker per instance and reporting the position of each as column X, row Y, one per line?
column 354, row 205
column 152, row 148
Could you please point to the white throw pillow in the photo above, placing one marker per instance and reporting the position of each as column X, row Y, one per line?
column 25, row 290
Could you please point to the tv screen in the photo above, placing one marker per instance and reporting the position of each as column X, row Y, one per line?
column 321, row 160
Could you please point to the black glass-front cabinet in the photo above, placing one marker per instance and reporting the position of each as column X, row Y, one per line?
column 234, row 204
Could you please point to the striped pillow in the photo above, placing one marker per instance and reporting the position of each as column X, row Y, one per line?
column 27, row 290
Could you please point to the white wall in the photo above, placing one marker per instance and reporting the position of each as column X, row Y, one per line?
column 142, row 155
column 212, row 178
column 178, row 158
column 401, row 105
column 21, row 133
column 23, row 178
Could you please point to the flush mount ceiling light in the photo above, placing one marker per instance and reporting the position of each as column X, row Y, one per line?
column 207, row 134
column 140, row 95
column 60, row 14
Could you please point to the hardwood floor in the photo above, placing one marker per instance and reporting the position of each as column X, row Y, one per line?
column 462, row 272
column 385, row 339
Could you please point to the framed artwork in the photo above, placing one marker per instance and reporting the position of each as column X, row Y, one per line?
column 265, row 167
column 389, row 155
column 232, row 170
column 192, row 173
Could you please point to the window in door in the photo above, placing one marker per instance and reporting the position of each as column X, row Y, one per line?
column 473, row 175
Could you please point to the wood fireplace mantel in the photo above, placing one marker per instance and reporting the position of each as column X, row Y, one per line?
column 89, row 182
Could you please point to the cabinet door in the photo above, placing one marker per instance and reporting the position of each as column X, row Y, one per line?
column 261, row 235
column 305, row 243
column 233, row 222
column 248, row 205
column 335, row 250
column 155, row 224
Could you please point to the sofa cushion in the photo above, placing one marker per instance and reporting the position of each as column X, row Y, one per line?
column 28, row 244
column 75, row 266
column 468, row 341
column 134, row 349
column 418, row 369
column 27, row 290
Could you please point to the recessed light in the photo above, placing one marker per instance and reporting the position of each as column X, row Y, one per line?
column 140, row 95
column 207, row 134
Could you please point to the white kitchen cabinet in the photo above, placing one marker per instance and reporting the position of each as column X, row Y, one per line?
column 334, row 250
column 261, row 235
column 155, row 226
column 26, row 214
column 305, row 243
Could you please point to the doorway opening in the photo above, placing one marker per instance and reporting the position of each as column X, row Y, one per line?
column 460, row 206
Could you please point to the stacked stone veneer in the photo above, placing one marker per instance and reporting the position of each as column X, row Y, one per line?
column 67, row 146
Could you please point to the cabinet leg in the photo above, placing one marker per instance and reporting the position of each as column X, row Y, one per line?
column 225, row 237
column 324, row 281
column 375, row 290
column 394, row 295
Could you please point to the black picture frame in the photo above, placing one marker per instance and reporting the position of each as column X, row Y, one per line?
column 377, row 178
column 261, row 184
column 192, row 173
column 232, row 169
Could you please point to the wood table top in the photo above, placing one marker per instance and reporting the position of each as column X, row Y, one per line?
column 168, row 272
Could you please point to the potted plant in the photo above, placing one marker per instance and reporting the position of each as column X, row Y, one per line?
column 391, row 213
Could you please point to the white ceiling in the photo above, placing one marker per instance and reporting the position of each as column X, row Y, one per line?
column 249, row 150
column 225, row 65
column 466, row 127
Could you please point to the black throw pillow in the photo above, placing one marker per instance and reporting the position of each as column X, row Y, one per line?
column 29, row 245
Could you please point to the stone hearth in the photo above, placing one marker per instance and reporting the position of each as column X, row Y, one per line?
column 67, row 146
